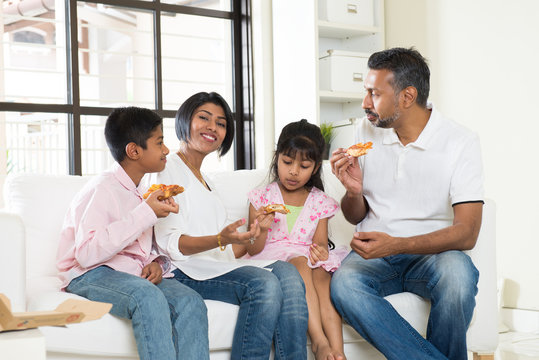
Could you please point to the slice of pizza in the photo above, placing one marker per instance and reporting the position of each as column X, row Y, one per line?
column 280, row 208
column 169, row 190
column 359, row 149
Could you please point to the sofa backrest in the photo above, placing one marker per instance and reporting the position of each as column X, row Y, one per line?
column 42, row 201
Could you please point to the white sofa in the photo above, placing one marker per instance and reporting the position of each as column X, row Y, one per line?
column 29, row 231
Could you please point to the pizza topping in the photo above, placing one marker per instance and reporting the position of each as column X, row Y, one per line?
column 169, row 190
column 280, row 208
column 359, row 149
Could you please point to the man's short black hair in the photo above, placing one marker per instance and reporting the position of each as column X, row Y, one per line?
column 409, row 68
column 129, row 124
column 184, row 115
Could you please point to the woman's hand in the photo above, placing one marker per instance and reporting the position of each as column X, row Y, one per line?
column 231, row 235
column 152, row 272
column 318, row 253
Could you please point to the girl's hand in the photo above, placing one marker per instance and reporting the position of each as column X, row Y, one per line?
column 230, row 234
column 318, row 253
column 152, row 272
column 264, row 220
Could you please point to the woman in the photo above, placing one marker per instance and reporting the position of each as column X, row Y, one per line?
column 272, row 303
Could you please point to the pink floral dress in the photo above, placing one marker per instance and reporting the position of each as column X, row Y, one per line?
column 282, row 245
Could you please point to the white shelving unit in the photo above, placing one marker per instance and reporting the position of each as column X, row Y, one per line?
column 300, row 38
column 334, row 106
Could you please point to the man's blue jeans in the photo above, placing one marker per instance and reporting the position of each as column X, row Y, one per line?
column 448, row 280
column 169, row 319
column 272, row 306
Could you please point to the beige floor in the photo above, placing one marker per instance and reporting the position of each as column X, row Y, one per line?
column 518, row 346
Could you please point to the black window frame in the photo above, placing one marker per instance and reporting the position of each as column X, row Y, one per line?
column 240, row 15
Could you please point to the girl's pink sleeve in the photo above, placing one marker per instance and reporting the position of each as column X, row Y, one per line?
column 257, row 198
column 329, row 206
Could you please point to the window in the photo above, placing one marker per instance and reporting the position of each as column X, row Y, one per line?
column 64, row 65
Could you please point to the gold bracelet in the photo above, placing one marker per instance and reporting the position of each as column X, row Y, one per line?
column 221, row 247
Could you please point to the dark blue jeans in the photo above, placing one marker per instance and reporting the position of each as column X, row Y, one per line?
column 272, row 306
column 448, row 280
column 169, row 319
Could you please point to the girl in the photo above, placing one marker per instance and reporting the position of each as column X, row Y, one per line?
column 301, row 237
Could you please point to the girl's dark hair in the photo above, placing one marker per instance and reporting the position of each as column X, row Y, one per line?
column 306, row 138
column 184, row 115
column 129, row 124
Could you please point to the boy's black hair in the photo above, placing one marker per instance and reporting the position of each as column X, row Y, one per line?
column 306, row 138
column 409, row 68
column 129, row 124
column 184, row 115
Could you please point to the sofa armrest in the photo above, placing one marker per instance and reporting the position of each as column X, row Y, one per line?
column 483, row 331
column 13, row 260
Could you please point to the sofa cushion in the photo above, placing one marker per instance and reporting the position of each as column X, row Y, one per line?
column 112, row 336
column 41, row 201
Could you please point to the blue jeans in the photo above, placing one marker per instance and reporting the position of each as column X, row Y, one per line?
column 169, row 320
column 272, row 307
column 448, row 280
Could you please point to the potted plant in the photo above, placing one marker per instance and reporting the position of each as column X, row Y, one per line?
column 328, row 132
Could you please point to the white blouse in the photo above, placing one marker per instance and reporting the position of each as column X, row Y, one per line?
column 201, row 214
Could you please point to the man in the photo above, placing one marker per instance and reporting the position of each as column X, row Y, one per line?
column 417, row 199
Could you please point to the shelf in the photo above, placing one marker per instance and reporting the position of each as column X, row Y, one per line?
column 340, row 97
column 343, row 31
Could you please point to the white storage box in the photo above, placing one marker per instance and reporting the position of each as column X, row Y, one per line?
column 343, row 71
column 357, row 12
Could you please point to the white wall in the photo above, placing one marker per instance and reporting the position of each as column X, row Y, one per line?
column 484, row 56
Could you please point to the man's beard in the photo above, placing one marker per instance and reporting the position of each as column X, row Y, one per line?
column 384, row 123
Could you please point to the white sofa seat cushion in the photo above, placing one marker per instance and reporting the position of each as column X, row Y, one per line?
column 113, row 336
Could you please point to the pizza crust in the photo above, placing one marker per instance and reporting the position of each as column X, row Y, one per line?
column 359, row 149
column 280, row 208
column 169, row 190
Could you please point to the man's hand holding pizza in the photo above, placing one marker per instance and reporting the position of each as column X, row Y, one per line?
column 346, row 169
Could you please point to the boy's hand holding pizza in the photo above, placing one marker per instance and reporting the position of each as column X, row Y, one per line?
column 162, row 208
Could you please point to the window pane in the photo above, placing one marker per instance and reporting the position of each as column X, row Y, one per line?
column 95, row 154
column 33, row 143
column 116, row 57
column 33, row 52
column 196, row 56
column 224, row 5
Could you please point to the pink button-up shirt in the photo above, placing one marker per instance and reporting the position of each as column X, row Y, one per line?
column 107, row 223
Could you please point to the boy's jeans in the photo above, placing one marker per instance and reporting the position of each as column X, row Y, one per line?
column 272, row 306
column 448, row 280
column 169, row 319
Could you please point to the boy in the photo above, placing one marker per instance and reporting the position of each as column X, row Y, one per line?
column 105, row 250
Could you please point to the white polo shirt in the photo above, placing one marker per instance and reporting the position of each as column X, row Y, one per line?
column 411, row 189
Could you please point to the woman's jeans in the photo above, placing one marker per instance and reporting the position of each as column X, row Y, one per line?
column 448, row 280
column 169, row 319
column 272, row 306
